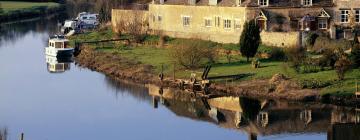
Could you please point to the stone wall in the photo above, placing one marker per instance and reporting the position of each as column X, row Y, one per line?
column 280, row 39
column 169, row 19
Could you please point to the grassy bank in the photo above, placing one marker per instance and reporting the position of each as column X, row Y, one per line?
column 14, row 10
column 325, row 80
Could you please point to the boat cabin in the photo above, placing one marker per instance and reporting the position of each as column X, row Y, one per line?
column 59, row 43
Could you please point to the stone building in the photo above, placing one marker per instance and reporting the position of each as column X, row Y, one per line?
column 283, row 22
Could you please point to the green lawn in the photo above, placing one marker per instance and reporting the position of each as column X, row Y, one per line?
column 160, row 56
column 9, row 6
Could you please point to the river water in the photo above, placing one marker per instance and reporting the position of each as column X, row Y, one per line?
column 74, row 103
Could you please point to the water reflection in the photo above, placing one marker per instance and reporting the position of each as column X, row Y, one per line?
column 58, row 65
column 3, row 134
column 12, row 32
column 262, row 117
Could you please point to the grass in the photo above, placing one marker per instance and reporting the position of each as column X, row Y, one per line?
column 160, row 56
column 9, row 6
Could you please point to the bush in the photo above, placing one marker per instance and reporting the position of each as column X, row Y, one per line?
column 328, row 59
column 355, row 56
column 277, row 54
column 311, row 38
column 342, row 66
column 296, row 57
column 193, row 54
column 323, row 43
column 313, row 83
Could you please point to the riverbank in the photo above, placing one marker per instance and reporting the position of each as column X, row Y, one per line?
column 143, row 62
column 13, row 10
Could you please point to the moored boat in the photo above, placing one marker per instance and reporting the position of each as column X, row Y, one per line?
column 58, row 47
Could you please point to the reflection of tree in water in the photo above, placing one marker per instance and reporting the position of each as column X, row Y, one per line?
column 127, row 88
column 251, row 107
column 3, row 134
column 14, row 31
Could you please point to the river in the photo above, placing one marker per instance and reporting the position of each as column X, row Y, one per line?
column 76, row 103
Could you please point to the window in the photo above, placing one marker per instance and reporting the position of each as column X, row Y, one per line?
column 357, row 15
column 159, row 18
column 227, row 23
column 344, row 16
column 307, row 2
column 217, row 21
column 207, row 22
column 237, row 24
column 186, row 20
column 322, row 24
column 263, row 2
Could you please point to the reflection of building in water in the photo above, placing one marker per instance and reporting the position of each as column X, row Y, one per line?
column 58, row 65
column 262, row 117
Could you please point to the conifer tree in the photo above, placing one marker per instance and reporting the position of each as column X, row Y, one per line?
column 250, row 39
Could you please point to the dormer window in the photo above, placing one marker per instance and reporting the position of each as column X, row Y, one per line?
column 263, row 2
column 307, row 2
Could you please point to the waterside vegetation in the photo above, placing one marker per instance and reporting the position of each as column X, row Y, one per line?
column 227, row 61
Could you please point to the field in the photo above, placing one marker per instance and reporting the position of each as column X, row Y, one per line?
column 325, row 80
column 9, row 6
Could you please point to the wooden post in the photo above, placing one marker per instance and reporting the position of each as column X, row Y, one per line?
column 357, row 87
column 174, row 71
column 22, row 136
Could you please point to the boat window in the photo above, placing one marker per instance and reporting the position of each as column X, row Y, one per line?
column 84, row 17
column 92, row 18
column 66, row 44
column 58, row 45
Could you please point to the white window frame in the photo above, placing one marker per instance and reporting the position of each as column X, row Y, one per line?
column 186, row 21
column 207, row 22
column 322, row 24
column 227, row 23
column 237, row 24
column 344, row 16
column 357, row 15
column 307, row 2
column 263, row 2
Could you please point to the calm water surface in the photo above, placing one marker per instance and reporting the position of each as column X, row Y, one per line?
column 80, row 104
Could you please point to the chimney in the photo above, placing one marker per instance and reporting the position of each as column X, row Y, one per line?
column 192, row 2
column 213, row 2
column 162, row 1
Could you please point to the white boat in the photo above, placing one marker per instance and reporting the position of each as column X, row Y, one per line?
column 70, row 27
column 88, row 20
column 58, row 47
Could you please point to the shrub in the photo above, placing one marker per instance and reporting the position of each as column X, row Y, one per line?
column 323, row 43
column 277, row 54
column 355, row 53
column 193, row 54
column 342, row 66
column 296, row 57
column 311, row 38
column 328, row 59
column 313, row 83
